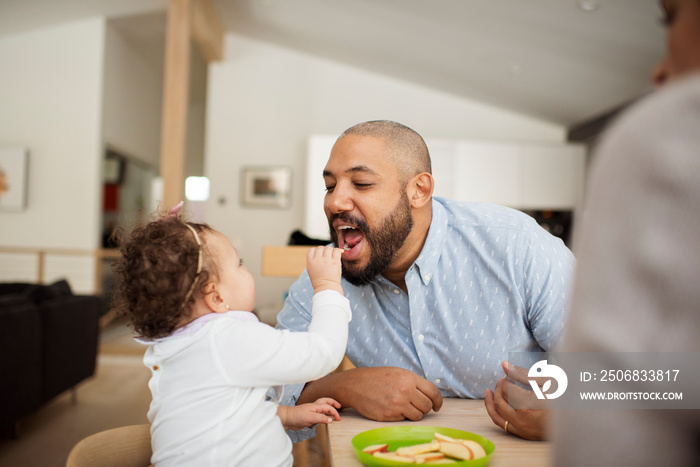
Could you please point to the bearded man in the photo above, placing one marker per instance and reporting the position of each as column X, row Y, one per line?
column 441, row 290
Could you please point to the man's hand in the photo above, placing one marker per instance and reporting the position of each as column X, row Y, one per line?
column 324, row 268
column 382, row 393
column 526, row 423
column 324, row 410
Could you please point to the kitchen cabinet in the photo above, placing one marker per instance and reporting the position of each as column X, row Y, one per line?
column 522, row 175
column 519, row 175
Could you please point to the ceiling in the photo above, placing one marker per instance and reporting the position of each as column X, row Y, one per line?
column 562, row 61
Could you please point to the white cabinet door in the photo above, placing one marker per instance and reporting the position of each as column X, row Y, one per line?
column 442, row 161
column 551, row 176
column 487, row 172
column 519, row 175
column 315, row 222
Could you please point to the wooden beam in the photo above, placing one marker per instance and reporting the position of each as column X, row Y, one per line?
column 207, row 30
column 196, row 19
column 175, row 101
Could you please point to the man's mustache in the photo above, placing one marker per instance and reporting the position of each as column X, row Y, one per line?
column 360, row 224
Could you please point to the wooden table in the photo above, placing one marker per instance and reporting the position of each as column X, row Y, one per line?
column 462, row 414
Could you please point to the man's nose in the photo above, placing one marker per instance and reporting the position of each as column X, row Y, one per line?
column 339, row 200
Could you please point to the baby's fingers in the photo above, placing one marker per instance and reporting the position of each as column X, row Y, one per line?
column 316, row 252
column 328, row 410
column 317, row 418
column 333, row 253
column 327, row 252
column 336, row 253
column 329, row 401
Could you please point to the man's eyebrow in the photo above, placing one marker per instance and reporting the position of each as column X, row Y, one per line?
column 356, row 169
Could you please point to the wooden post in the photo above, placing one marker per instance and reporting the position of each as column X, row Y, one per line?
column 175, row 101
column 41, row 258
column 207, row 31
column 186, row 18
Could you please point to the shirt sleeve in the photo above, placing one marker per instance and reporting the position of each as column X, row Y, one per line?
column 259, row 355
column 296, row 316
column 548, row 267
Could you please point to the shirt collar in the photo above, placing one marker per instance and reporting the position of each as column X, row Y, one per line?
column 429, row 256
column 194, row 326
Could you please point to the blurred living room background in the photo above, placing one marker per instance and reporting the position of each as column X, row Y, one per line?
column 111, row 110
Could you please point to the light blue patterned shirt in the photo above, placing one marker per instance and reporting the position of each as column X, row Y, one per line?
column 488, row 281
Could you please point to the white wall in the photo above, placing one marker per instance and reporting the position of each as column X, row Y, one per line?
column 133, row 105
column 50, row 102
column 263, row 103
column 133, row 96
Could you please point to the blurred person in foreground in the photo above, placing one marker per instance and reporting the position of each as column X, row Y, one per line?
column 638, row 248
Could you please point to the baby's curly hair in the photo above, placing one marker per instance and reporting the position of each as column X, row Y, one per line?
column 157, row 270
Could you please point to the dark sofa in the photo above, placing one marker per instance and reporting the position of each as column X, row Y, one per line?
column 48, row 344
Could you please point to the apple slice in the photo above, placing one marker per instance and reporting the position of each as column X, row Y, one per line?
column 456, row 450
column 394, row 457
column 418, row 449
column 444, row 460
column 371, row 449
column 427, row 457
column 476, row 448
column 441, row 437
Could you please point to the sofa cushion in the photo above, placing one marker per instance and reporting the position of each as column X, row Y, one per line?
column 20, row 365
column 70, row 333
column 58, row 289
column 23, row 288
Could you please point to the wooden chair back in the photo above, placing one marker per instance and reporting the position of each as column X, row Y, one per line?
column 126, row 446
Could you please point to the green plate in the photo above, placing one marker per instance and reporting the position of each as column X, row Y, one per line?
column 398, row 436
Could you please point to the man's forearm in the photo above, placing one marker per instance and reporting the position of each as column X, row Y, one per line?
column 329, row 386
column 377, row 393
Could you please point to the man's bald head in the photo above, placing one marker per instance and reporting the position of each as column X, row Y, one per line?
column 409, row 151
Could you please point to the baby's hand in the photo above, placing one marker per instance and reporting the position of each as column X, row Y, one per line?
column 324, row 410
column 324, row 268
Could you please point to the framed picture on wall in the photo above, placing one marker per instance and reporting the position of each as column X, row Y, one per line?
column 13, row 178
column 114, row 168
column 268, row 187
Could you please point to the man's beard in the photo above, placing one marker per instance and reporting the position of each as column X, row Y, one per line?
column 384, row 241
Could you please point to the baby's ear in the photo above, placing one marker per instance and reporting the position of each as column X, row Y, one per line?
column 213, row 300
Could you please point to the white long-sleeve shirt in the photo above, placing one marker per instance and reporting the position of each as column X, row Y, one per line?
column 209, row 382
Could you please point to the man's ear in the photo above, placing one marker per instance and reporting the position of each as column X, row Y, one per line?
column 420, row 190
column 213, row 299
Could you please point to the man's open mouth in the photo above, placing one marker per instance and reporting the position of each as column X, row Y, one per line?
column 349, row 239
